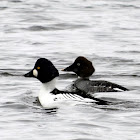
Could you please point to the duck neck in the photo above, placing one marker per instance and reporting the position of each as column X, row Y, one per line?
column 45, row 95
column 48, row 87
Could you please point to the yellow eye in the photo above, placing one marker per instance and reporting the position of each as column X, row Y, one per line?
column 38, row 68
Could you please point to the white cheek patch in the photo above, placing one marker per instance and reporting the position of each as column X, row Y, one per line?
column 35, row 72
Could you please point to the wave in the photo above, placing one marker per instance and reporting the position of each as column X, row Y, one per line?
column 55, row 27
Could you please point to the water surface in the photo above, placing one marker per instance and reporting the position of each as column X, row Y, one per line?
column 105, row 31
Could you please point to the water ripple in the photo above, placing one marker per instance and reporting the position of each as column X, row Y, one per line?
column 55, row 27
column 104, row 31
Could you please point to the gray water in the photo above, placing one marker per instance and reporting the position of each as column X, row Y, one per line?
column 105, row 31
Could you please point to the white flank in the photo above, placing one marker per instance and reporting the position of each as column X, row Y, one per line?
column 49, row 100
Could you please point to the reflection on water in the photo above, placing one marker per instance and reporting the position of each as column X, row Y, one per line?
column 104, row 31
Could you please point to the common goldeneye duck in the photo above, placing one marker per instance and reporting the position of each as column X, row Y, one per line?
column 84, row 68
column 49, row 96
